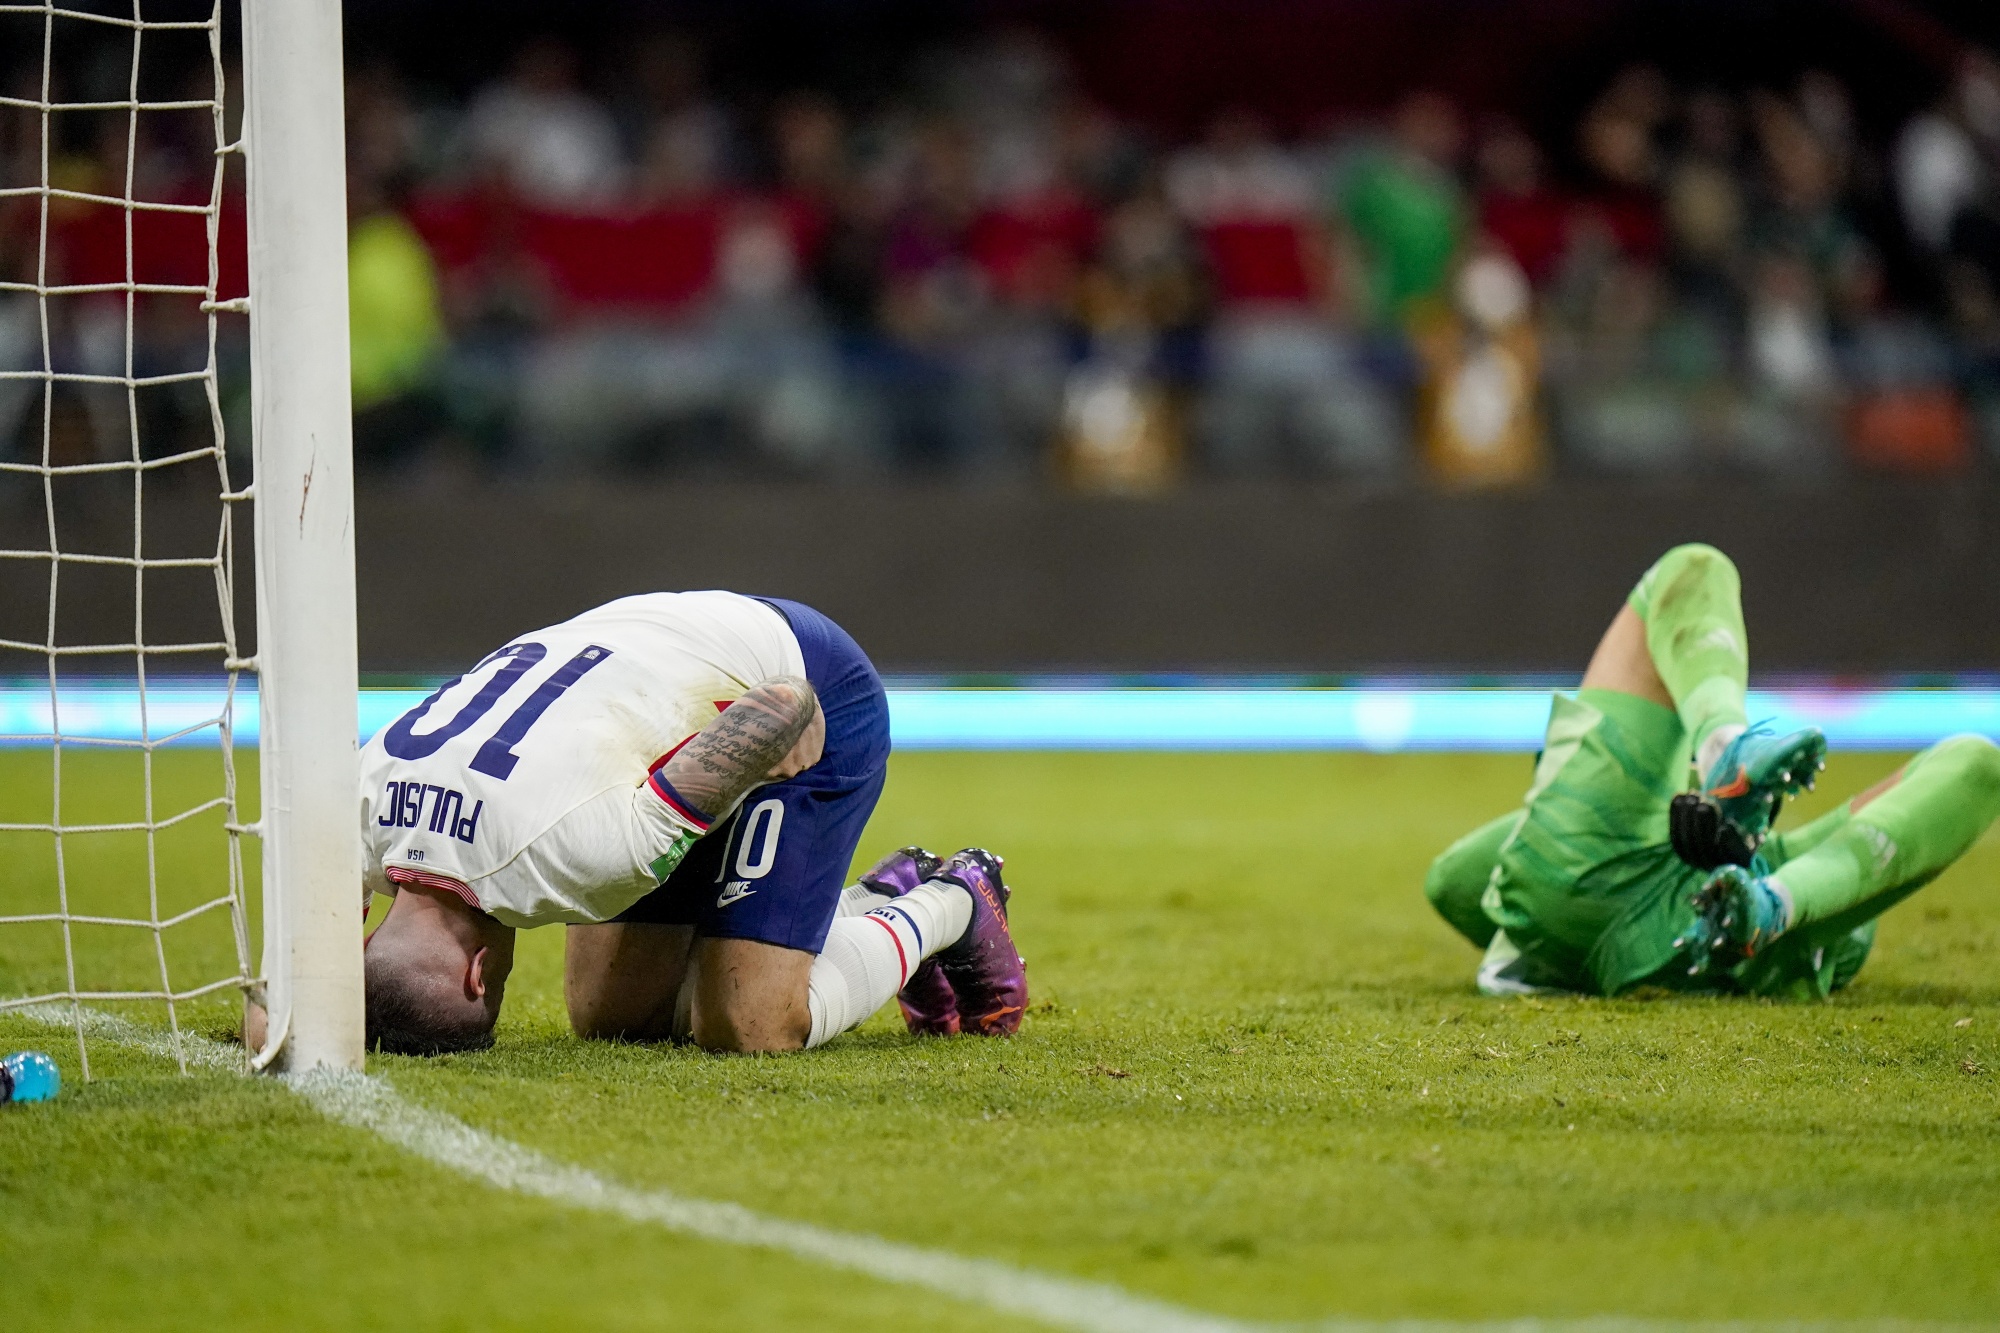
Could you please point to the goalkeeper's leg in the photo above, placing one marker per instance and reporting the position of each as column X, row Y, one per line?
column 1893, row 839
column 1458, row 878
column 1848, row 867
column 1680, row 641
column 1689, row 606
column 1614, row 757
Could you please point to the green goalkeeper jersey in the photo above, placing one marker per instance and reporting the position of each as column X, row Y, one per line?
column 1582, row 879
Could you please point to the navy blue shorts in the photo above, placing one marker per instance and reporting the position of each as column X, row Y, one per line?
column 775, row 870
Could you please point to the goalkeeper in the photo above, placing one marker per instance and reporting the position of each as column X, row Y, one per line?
column 1613, row 874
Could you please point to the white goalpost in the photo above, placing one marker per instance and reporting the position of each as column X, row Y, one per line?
column 129, row 841
column 303, row 441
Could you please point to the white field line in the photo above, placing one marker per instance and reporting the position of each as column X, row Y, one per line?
column 368, row 1102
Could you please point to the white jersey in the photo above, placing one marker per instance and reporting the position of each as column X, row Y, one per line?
column 522, row 786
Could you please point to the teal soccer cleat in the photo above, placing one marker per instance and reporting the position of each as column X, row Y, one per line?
column 1758, row 770
column 1738, row 913
column 1727, row 820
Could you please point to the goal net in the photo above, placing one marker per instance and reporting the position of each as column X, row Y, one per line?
column 172, row 376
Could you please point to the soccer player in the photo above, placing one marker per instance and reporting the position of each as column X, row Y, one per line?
column 682, row 779
column 1613, row 876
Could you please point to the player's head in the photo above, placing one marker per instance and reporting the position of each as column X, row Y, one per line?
column 436, row 971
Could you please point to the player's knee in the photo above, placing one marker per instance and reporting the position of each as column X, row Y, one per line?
column 1699, row 555
column 589, row 1016
column 751, row 997
column 1438, row 885
column 1976, row 759
column 1457, row 901
column 759, row 1022
column 1438, row 888
column 600, row 1009
column 743, row 1034
column 1693, row 565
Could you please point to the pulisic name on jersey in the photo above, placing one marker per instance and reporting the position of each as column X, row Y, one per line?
column 402, row 805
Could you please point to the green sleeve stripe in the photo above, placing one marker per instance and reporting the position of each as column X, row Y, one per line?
column 664, row 864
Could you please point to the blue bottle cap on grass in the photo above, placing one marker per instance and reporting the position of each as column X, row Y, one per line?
column 29, row 1076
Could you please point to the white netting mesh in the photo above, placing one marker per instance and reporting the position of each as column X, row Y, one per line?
column 121, row 870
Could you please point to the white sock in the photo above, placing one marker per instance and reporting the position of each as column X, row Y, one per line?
column 1712, row 746
column 1784, row 893
column 867, row 958
column 859, row 900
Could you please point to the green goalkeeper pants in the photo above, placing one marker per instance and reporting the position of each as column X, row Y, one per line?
column 1583, row 880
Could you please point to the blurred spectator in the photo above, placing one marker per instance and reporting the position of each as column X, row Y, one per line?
column 784, row 377
column 20, row 331
column 1619, row 382
column 671, row 125
column 381, row 130
column 1028, row 243
column 1800, row 212
column 395, row 331
column 1253, row 205
column 1790, row 346
column 1828, row 110
column 932, row 298
column 1287, row 389
column 1612, row 408
column 970, row 268
column 809, row 145
column 1405, row 207
column 1943, row 157
column 1801, row 238
column 1905, row 412
column 1950, row 197
column 1518, row 208
column 1118, row 432
column 545, row 137
column 395, row 328
column 1479, row 421
column 682, row 141
column 1789, row 422
column 1617, row 141
column 396, row 335
column 1707, row 213
column 1139, row 304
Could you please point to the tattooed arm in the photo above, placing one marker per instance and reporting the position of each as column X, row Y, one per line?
column 774, row 732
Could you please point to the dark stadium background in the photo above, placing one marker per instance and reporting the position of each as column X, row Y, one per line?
column 1868, row 549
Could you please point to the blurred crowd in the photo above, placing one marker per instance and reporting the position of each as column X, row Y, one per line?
column 990, row 276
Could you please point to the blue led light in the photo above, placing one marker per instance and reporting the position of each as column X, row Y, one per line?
column 1380, row 717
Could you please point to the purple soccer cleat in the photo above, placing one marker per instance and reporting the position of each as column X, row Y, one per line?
column 930, row 1009
column 900, row 871
column 986, row 971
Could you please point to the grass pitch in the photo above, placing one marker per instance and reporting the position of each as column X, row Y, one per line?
column 1256, row 1082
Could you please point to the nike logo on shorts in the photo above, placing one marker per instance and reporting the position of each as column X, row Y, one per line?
column 735, row 891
